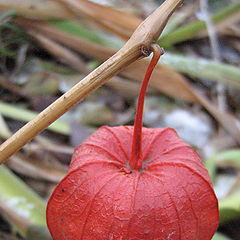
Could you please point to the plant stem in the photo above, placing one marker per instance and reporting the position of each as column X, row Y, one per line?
column 136, row 158
column 141, row 40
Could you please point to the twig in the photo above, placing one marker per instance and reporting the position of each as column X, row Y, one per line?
column 138, row 46
column 215, row 51
column 211, row 30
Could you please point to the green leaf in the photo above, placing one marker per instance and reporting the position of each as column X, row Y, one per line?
column 229, row 208
column 21, row 200
column 219, row 236
column 195, row 67
column 211, row 166
column 4, row 130
column 187, row 31
column 231, row 156
column 203, row 68
column 78, row 30
column 37, row 232
column 25, row 115
column 6, row 52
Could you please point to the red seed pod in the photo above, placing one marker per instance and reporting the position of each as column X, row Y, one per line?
column 131, row 183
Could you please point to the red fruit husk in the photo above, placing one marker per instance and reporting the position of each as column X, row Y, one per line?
column 108, row 195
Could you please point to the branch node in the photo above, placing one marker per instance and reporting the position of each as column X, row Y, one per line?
column 146, row 51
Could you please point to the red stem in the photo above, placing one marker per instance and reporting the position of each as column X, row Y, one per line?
column 136, row 157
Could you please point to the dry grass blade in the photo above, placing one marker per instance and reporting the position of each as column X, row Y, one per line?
column 127, row 89
column 103, row 13
column 61, row 53
column 222, row 26
column 233, row 30
column 137, row 46
column 45, row 144
column 113, row 20
column 230, row 123
column 35, row 169
column 12, row 87
column 122, row 86
column 121, row 23
column 40, row 9
column 164, row 79
column 81, row 45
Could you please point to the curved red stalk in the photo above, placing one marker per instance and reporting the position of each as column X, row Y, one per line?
column 136, row 157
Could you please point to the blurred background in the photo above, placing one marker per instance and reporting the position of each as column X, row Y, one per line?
column 47, row 46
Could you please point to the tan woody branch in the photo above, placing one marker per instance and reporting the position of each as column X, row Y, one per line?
column 137, row 46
